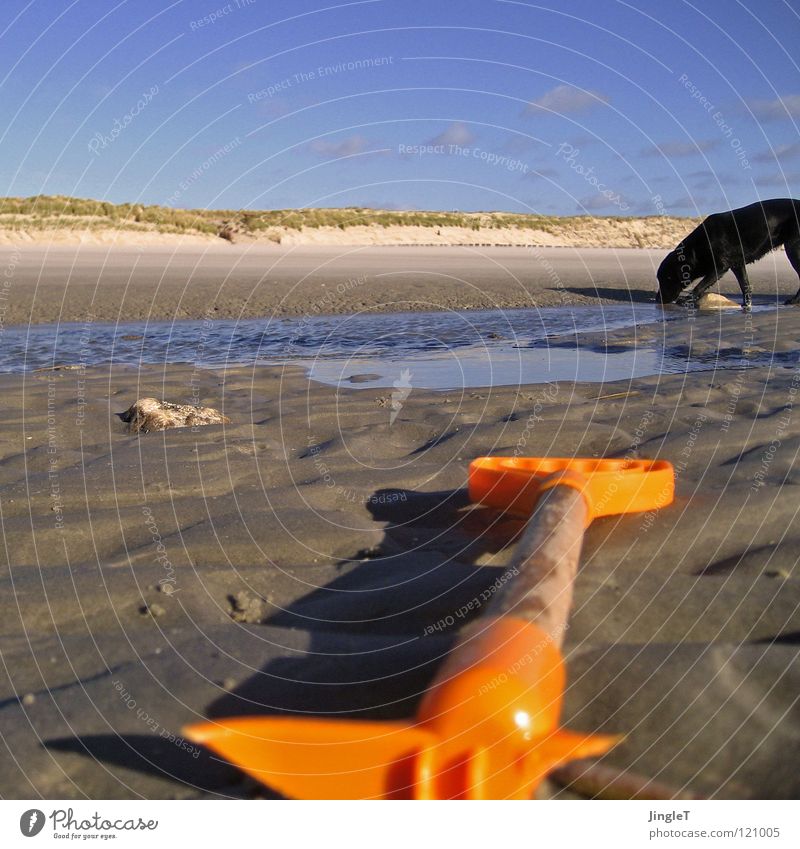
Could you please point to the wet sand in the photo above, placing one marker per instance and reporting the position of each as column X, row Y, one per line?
column 298, row 559
column 63, row 284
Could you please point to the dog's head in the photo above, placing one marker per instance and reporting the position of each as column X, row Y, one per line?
column 672, row 278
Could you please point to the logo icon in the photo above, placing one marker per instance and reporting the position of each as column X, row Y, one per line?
column 31, row 822
column 402, row 389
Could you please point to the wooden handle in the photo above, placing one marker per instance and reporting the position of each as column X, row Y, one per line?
column 540, row 578
column 545, row 564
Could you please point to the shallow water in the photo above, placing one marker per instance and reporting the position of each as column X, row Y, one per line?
column 440, row 350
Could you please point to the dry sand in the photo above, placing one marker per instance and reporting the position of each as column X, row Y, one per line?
column 303, row 557
column 66, row 284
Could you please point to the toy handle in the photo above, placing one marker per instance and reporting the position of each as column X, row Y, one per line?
column 538, row 593
column 545, row 562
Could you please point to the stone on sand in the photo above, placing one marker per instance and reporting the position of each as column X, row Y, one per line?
column 712, row 301
column 148, row 414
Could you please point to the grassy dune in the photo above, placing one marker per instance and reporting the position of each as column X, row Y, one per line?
column 50, row 214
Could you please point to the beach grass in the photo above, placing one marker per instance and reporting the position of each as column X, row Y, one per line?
column 61, row 212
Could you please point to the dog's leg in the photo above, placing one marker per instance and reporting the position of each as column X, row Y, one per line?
column 705, row 284
column 740, row 273
column 793, row 252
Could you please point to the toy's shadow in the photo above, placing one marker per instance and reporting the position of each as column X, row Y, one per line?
column 160, row 759
column 377, row 634
column 380, row 629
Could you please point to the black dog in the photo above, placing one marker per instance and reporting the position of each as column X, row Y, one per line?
column 731, row 240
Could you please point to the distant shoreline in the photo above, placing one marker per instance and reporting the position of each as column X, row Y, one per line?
column 57, row 220
column 603, row 233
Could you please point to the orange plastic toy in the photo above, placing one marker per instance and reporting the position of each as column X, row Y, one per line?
column 488, row 727
column 610, row 487
column 483, row 734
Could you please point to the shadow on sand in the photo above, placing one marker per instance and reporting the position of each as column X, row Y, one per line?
column 377, row 633
column 628, row 296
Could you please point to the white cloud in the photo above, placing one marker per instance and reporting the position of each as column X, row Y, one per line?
column 455, row 133
column 345, row 147
column 787, row 106
column 780, row 152
column 567, row 98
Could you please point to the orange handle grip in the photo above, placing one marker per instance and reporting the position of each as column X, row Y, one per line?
column 612, row 486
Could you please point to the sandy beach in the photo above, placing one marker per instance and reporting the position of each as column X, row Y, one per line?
column 295, row 559
column 73, row 284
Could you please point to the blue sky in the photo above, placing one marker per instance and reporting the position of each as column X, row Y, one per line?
column 613, row 108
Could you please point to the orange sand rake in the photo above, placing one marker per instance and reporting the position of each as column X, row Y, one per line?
column 488, row 727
